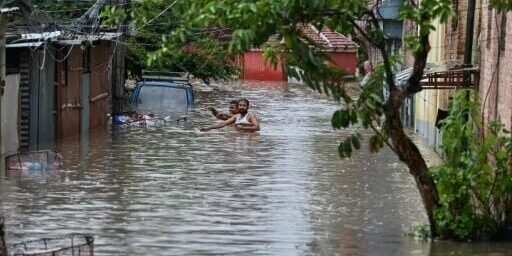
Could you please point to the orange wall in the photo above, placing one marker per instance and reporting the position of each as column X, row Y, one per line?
column 345, row 60
column 255, row 68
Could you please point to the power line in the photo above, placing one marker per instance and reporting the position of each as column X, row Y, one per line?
column 158, row 15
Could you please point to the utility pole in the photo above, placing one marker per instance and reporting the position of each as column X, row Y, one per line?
column 118, row 78
column 468, row 45
column 468, row 56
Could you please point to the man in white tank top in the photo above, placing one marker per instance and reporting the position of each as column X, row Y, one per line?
column 244, row 121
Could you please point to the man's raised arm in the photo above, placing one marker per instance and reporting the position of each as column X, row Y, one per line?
column 218, row 125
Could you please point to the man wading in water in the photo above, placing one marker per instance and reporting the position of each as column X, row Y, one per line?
column 244, row 121
column 233, row 110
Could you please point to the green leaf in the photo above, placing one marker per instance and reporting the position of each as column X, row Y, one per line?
column 355, row 142
column 347, row 148
column 336, row 119
column 353, row 117
column 341, row 151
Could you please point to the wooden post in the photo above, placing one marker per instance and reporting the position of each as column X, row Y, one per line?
column 118, row 77
column 3, row 28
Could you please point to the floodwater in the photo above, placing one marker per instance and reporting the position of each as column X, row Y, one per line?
column 172, row 190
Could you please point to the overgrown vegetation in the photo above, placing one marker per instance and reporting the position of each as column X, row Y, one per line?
column 63, row 10
column 201, row 53
column 475, row 184
column 204, row 58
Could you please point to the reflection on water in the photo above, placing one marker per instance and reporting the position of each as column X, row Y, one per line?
column 172, row 190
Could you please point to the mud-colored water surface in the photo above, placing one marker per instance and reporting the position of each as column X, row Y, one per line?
column 172, row 190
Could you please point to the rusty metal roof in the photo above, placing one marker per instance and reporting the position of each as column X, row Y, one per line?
column 330, row 40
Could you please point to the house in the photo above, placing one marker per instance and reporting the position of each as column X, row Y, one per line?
column 447, row 51
column 444, row 73
column 389, row 21
column 342, row 50
column 62, row 85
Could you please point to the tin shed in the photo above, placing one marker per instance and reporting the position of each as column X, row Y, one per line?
column 36, row 107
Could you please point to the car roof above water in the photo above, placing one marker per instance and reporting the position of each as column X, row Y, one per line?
column 163, row 83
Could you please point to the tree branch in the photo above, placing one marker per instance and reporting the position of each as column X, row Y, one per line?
column 420, row 61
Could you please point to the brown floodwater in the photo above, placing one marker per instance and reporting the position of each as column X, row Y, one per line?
column 172, row 190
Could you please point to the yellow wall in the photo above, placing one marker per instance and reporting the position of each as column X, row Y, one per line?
column 427, row 101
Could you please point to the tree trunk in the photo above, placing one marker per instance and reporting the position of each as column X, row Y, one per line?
column 3, row 28
column 411, row 156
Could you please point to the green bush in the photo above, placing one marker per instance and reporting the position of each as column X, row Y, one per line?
column 474, row 184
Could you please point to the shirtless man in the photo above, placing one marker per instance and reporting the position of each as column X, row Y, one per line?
column 233, row 110
column 244, row 120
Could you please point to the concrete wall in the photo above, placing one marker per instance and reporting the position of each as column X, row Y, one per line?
column 10, row 118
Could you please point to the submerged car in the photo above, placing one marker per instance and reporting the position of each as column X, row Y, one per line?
column 163, row 94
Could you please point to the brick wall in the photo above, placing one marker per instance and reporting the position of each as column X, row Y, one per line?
column 495, row 89
column 456, row 32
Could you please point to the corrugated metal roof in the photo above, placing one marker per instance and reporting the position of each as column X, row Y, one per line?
column 82, row 38
column 41, row 36
column 403, row 76
column 433, row 70
column 21, row 45
column 9, row 9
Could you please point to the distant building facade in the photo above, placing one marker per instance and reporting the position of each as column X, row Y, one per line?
column 342, row 50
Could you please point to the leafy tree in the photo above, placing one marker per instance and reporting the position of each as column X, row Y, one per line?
column 253, row 22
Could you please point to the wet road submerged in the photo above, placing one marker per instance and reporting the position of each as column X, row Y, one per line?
column 171, row 190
